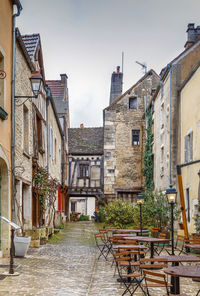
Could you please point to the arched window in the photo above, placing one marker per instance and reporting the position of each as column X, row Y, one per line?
column 1, row 81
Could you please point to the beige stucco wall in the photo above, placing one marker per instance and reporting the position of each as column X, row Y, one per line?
column 55, row 162
column 5, row 126
column 161, row 137
column 190, row 121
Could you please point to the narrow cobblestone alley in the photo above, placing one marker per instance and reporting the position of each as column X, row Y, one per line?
column 69, row 267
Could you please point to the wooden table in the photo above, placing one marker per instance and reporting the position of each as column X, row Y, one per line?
column 151, row 240
column 137, row 231
column 175, row 289
column 130, row 247
column 182, row 271
column 197, row 247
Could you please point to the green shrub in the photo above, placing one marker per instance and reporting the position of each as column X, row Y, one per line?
column 83, row 218
column 155, row 212
column 117, row 213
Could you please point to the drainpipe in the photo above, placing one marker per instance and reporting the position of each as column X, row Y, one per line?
column 170, row 124
column 19, row 9
column 48, row 94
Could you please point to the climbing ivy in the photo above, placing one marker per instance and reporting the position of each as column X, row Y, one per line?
column 148, row 154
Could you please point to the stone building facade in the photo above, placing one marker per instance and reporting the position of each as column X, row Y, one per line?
column 85, row 173
column 124, row 140
column 166, row 115
column 6, row 50
column 23, row 136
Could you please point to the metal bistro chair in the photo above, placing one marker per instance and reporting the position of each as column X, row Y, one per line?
column 159, row 247
column 130, row 278
column 179, row 246
column 102, row 245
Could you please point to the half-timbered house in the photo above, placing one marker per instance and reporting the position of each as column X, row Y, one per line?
column 85, row 173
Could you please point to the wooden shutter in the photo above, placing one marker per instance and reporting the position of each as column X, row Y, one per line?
column 190, row 142
column 186, row 148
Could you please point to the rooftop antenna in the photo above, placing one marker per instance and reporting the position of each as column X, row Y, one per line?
column 143, row 65
column 122, row 62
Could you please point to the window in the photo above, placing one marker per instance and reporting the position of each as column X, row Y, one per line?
column 73, row 206
column 1, row 82
column 162, row 153
column 95, row 173
column 188, row 147
column 135, row 137
column 188, row 204
column 39, row 132
column 25, row 129
column 133, row 103
column 51, row 143
column 83, row 170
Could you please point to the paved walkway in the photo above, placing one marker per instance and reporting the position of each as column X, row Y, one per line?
column 69, row 268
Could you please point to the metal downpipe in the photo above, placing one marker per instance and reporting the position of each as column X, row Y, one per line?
column 13, row 110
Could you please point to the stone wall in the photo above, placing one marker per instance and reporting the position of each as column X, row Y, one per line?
column 23, row 143
column 123, row 161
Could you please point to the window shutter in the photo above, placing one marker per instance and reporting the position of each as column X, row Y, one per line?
column 191, row 146
column 186, row 148
column 53, row 146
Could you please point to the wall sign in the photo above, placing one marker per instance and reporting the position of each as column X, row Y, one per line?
column 2, row 74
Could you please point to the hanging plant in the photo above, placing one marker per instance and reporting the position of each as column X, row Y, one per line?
column 45, row 189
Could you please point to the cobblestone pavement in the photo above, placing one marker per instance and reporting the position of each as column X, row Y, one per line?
column 69, row 268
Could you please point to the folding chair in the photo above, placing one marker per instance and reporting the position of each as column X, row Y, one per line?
column 102, row 245
column 179, row 245
column 157, row 280
column 131, row 279
column 159, row 247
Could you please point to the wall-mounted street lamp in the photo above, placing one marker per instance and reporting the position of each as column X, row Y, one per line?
column 171, row 195
column 140, row 201
column 36, row 84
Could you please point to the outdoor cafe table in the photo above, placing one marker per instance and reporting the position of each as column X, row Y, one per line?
column 182, row 271
column 151, row 240
column 175, row 289
column 124, row 235
column 137, row 231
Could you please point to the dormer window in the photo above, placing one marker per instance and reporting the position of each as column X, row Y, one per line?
column 133, row 103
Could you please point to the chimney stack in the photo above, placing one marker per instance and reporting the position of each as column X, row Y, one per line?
column 81, row 125
column 193, row 35
column 64, row 79
column 116, row 85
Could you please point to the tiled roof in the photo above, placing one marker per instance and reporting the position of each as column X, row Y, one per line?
column 57, row 89
column 85, row 140
column 58, row 92
column 31, row 42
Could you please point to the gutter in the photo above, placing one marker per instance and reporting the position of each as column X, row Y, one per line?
column 19, row 9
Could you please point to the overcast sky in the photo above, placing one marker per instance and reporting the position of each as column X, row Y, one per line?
column 85, row 40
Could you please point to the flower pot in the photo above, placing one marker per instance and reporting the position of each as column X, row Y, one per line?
column 21, row 245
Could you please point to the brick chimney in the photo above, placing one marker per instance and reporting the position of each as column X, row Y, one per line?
column 64, row 79
column 81, row 125
column 193, row 35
